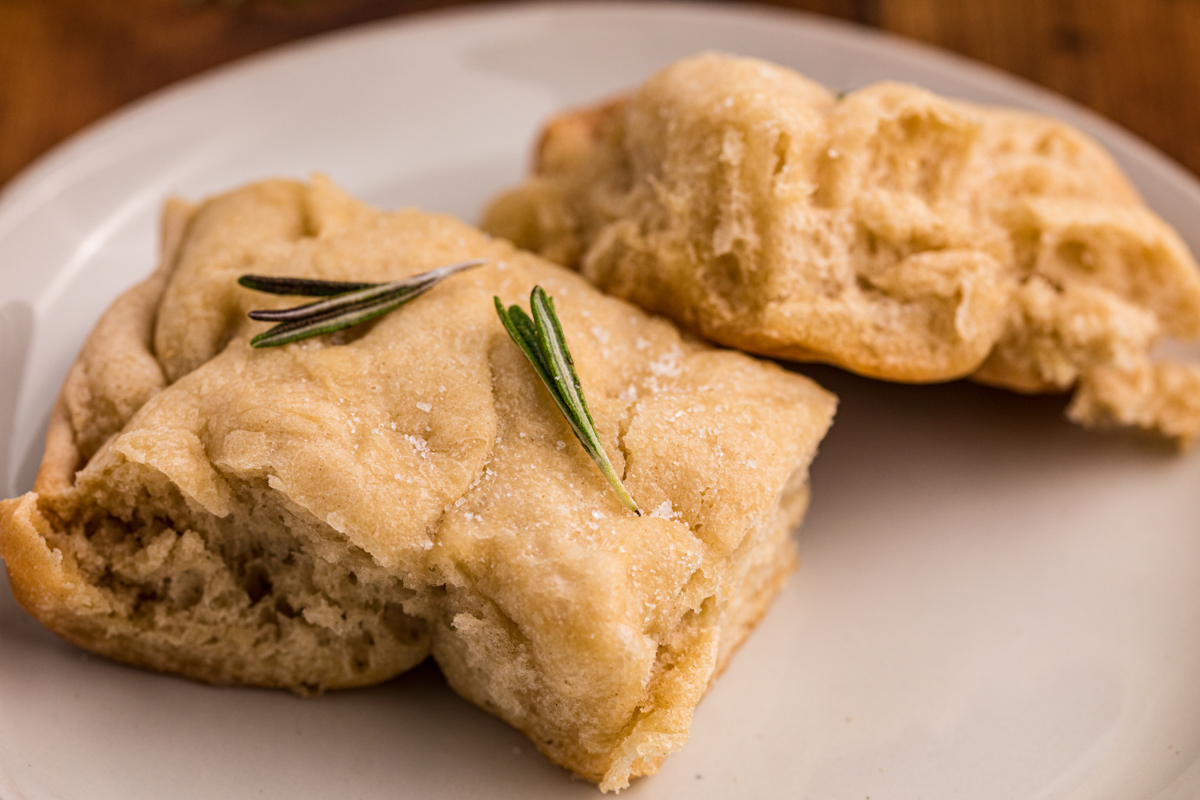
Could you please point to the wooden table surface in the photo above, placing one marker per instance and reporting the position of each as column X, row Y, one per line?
column 65, row 63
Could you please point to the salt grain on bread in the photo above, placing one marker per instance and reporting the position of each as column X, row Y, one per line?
column 893, row 232
column 329, row 513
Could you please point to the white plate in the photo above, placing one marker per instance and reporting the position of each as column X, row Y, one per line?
column 993, row 604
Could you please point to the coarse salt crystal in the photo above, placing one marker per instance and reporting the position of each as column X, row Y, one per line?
column 668, row 364
column 665, row 511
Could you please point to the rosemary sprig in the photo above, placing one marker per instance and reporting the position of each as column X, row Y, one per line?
column 346, row 304
column 307, row 287
column 542, row 341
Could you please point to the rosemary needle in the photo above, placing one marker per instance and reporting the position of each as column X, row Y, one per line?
column 345, row 304
column 542, row 341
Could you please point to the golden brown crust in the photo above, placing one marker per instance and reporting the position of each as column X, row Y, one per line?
column 895, row 233
column 116, row 372
column 329, row 513
column 61, row 456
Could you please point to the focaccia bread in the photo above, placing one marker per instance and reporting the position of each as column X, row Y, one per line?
column 892, row 232
column 328, row 513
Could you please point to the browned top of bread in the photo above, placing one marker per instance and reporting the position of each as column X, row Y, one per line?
column 331, row 512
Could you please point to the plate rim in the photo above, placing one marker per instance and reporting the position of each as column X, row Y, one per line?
column 34, row 184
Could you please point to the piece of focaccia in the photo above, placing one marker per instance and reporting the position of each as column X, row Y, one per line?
column 892, row 232
column 328, row 513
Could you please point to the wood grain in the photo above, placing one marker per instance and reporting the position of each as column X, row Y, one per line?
column 65, row 63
